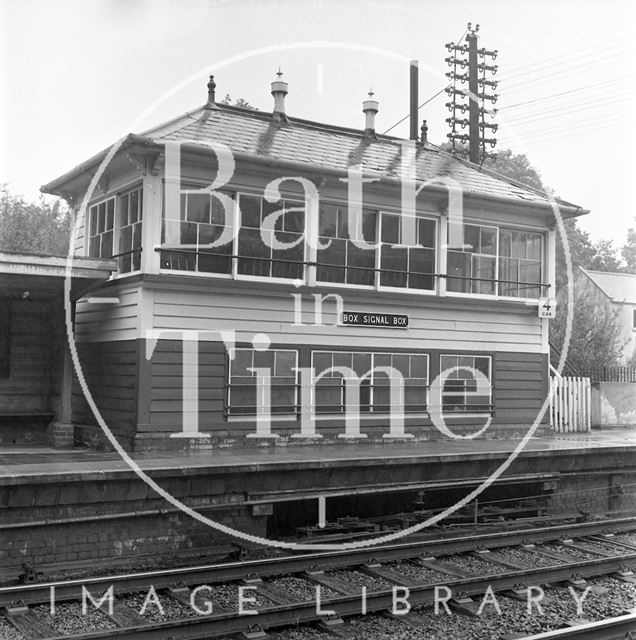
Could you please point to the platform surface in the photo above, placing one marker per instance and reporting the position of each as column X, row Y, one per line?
column 38, row 462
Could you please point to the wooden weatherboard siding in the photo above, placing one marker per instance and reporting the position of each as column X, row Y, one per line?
column 434, row 322
column 26, row 388
column 519, row 381
column 110, row 371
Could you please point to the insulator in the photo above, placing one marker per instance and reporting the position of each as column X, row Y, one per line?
column 487, row 67
column 488, row 83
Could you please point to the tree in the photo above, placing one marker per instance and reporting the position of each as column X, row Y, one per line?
column 596, row 339
column 629, row 251
column 239, row 102
column 33, row 227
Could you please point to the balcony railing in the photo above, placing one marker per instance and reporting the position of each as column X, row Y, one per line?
column 187, row 260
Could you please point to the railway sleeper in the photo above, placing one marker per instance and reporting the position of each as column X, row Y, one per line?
column 28, row 623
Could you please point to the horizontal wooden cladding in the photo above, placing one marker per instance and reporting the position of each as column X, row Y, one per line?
column 433, row 323
column 28, row 383
column 521, row 387
column 109, row 322
column 110, row 370
column 519, row 381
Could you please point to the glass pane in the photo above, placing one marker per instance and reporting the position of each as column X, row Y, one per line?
column 390, row 228
column 123, row 211
column 265, row 359
column 421, row 268
column 198, row 207
column 484, row 267
column 508, row 271
column 251, row 244
column 426, row 229
column 343, row 223
column 483, row 365
column 414, row 398
column 361, row 363
column 518, row 244
column 101, row 217
column 365, row 260
column 328, row 396
column 458, row 264
column 419, row 367
column 93, row 247
column 334, row 255
column 529, row 271
column 534, row 246
column 285, row 362
column 291, row 259
column 369, row 226
column 488, row 241
column 188, row 233
column 134, row 206
column 283, row 399
column 321, row 362
column 250, row 211
column 110, row 213
column 125, row 264
column 217, row 211
column 505, row 243
column 401, row 362
column 107, row 245
column 471, row 237
column 242, row 360
column 93, row 221
column 125, row 240
column 394, row 266
column 294, row 216
column 328, row 221
column 342, row 359
column 243, row 399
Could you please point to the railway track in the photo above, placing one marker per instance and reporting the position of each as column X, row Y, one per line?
column 510, row 564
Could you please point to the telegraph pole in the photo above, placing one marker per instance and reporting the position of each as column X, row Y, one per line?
column 467, row 57
column 473, row 90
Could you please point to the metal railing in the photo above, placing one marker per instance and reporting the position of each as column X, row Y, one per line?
column 303, row 263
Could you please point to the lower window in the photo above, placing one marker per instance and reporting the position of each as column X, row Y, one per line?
column 461, row 392
column 243, row 393
column 330, row 388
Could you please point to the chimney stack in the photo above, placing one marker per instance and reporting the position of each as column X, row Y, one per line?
column 279, row 91
column 370, row 109
column 414, row 106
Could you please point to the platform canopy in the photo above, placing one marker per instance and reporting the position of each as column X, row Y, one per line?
column 40, row 276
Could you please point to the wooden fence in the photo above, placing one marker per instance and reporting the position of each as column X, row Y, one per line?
column 570, row 404
column 610, row 374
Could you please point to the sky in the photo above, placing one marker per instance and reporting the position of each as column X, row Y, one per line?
column 79, row 74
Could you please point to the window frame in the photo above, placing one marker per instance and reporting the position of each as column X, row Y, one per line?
column 233, row 416
column 498, row 296
column 436, row 258
column 370, row 414
column 468, row 414
column 116, row 197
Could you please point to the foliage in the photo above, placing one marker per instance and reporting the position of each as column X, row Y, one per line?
column 239, row 102
column 596, row 339
column 33, row 227
column 629, row 251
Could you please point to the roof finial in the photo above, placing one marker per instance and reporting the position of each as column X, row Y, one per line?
column 424, row 132
column 211, row 104
column 279, row 91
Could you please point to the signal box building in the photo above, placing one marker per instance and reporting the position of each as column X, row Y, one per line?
column 232, row 231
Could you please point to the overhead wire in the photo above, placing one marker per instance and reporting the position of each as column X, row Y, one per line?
column 429, row 99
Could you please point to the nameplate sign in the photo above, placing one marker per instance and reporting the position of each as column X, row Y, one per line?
column 365, row 319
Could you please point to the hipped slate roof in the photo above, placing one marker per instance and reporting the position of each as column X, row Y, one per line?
column 256, row 134
column 618, row 287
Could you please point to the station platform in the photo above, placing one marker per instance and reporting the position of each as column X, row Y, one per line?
column 20, row 464
column 64, row 506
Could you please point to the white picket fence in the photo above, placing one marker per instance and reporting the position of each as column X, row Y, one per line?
column 570, row 404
